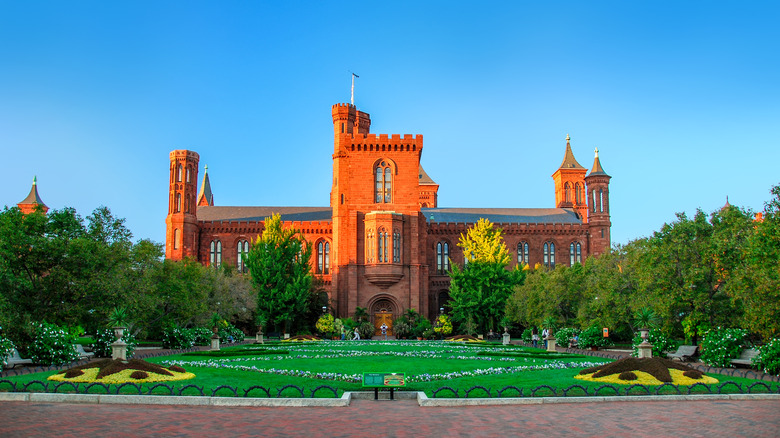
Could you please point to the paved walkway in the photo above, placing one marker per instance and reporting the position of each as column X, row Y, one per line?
column 400, row 418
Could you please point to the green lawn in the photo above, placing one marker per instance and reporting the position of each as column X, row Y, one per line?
column 428, row 365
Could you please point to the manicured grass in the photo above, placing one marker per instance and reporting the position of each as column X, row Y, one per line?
column 429, row 365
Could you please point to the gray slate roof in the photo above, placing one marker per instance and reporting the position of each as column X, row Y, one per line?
column 502, row 215
column 303, row 214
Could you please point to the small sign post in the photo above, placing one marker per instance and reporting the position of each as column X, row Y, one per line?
column 384, row 381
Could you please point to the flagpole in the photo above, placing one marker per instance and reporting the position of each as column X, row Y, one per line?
column 352, row 94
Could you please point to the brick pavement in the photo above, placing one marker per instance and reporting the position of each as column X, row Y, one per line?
column 400, row 418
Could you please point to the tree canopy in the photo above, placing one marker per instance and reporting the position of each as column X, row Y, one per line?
column 480, row 289
column 279, row 264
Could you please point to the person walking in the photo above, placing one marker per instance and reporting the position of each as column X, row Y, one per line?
column 545, row 332
column 384, row 330
column 535, row 337
column 343, row 333
column 357, row 335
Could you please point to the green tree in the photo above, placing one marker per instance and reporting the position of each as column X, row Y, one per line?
column 479, row 291
column 279, row 264
column 756, row 283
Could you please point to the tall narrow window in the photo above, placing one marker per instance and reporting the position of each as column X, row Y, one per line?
column 178, row 173
column 575, row 253
column 323, row 258
column 215, row 253
column 326, row 267
column 241, row 253
column 176, row 238
column 396, row 247
column 593, row 200
column 549, row 254
column 188, row 173
column 370, row 245
column 522, row 253
column 442, row 257
column 383, row 257
column 178, row 203
column 578, row 193
column 567, row 192
column 384, row 182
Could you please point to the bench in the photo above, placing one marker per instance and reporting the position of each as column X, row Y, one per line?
column 746, row 357
column 684, row 353
column 274, row 335
column 15, row 359
column 82, row 354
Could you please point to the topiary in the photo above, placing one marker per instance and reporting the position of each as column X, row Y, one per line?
column 768, row 359
column 721, row 345
column 52, row 345
column 660, row 342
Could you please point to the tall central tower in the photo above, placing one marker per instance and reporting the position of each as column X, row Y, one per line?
column 182, row 222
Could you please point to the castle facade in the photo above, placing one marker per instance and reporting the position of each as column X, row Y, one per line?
column 383, row 243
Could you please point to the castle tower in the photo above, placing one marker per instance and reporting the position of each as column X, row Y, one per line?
column 570, row 184
column 33, row 200
column 598, row 207
column 181, row 223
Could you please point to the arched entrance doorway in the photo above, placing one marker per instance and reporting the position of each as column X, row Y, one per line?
column 383, row 310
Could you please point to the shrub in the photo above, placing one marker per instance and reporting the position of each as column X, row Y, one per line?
column 177, row 338
column 527, row 335
column 661, row 343
column 201, row 335
column 443, row 326
column 565, row 335
column 325, row 325
column 721, row 345
column 768, row 359
column 401, row 328
column 366, row 330
column 104, row 338
column 593, row 337
column 231, row 331
column 6, row 346
column 52, row 345
column 422, row 325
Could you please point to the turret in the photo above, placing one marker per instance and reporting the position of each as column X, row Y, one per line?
column 181, row 223
column 598, row 207
column 33, row 200
column 570, row 184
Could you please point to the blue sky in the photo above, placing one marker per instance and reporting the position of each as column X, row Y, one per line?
column 681, row 98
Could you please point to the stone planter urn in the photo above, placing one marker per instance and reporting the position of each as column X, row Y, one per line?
column 645, row 349
column 119, row 347
column 119, row 331
column 259, row 335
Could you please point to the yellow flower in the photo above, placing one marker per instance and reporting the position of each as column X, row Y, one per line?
column 90, row 376
column 644, row 378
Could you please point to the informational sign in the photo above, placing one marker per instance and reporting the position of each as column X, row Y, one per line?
column 606, row 332
column 384, row 380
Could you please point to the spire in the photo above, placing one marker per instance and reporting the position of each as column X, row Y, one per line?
column 569, row 162
column 597, row 169
column 32, row 200
column 205, row 198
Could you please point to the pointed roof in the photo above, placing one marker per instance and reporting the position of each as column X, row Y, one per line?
column 569, row 162
column 424, row 179
column 33, row 198
column 597, row 169
column 205, row 198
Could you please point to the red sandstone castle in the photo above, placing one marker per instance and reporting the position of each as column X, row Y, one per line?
column 384, row 243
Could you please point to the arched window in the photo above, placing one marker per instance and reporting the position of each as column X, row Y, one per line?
column 522, row 253
column 549, row 254
column 396, row 246
column 575, row 253
column 442, row 257
column 242, row 251
column 578, row 193
column 188, row 173
column 593, row 200
column 215, row 253
column 384, row 182
column 178, row 173
column 176, row 238
column 323, row 257
column 567, row 192
column 382, row 244
column 178, row 203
